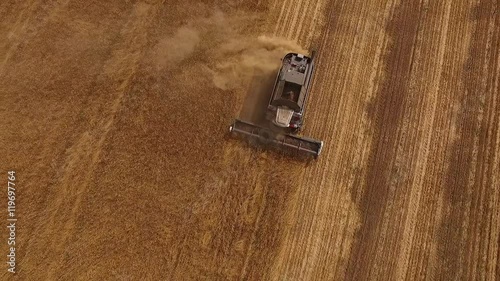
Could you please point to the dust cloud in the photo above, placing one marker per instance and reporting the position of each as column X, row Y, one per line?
column 248, row 57
column 235, row 56
column 176, row 48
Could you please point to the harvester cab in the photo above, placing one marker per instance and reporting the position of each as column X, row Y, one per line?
column 285, row 109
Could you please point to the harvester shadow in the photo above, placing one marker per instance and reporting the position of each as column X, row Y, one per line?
column 257, row 98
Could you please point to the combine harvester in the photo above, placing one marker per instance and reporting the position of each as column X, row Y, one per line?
column 285, row 110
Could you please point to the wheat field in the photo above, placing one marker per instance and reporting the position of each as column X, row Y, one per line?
column 115, row 115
